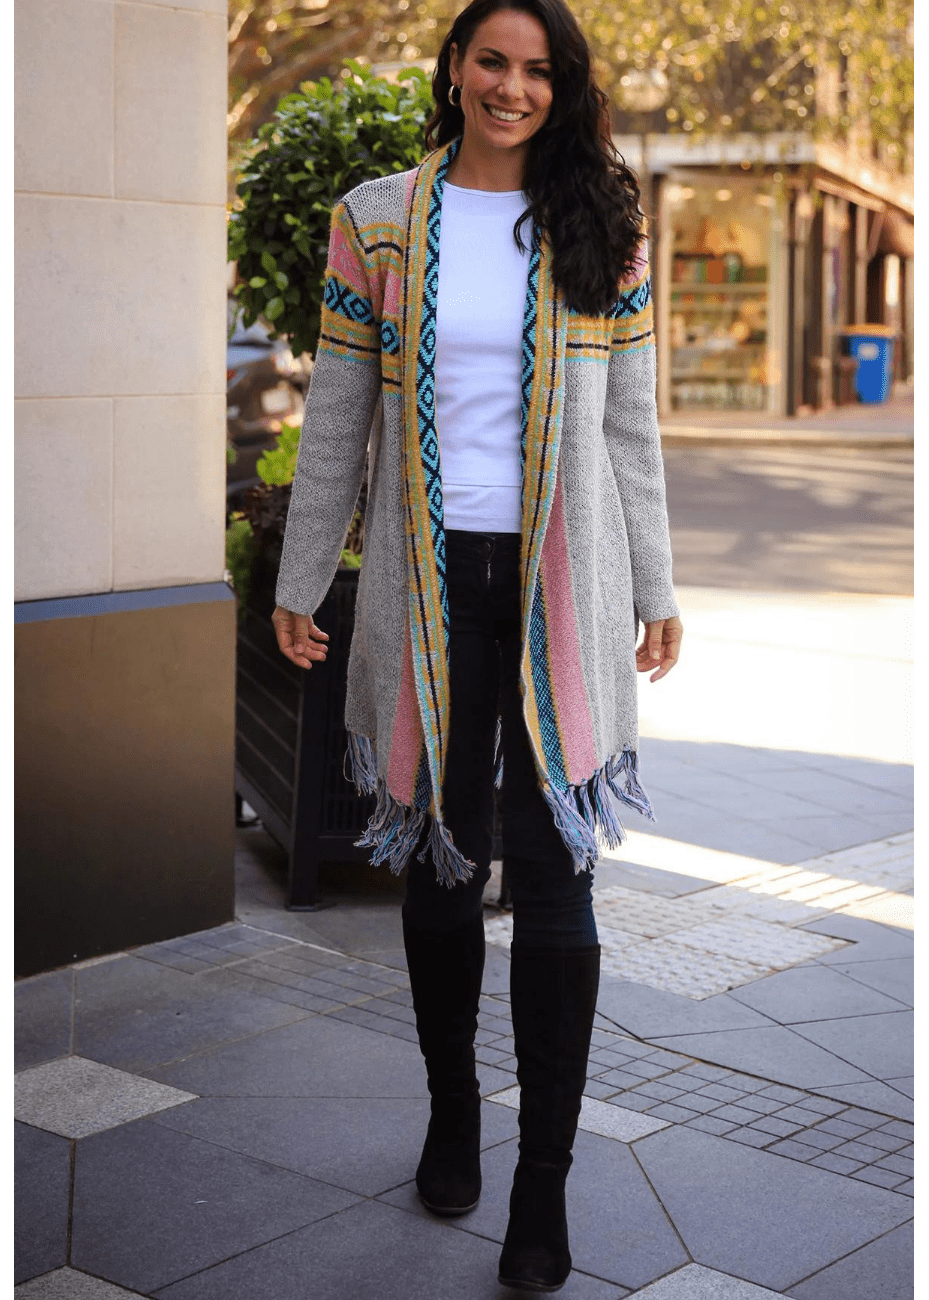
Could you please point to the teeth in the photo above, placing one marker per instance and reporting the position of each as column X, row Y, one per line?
column 504, row 116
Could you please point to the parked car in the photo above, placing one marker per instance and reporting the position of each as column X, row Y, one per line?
column 265, row 387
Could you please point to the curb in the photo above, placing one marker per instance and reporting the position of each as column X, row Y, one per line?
column 689, row 437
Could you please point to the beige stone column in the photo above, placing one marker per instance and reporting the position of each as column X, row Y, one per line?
column 120, row 290
column 120, row 287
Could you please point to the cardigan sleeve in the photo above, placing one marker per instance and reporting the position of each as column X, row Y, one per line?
column 337, row 419
column 634, row 446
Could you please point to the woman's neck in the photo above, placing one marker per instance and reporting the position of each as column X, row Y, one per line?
column 492, row 169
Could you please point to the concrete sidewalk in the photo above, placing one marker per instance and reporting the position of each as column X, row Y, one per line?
column 237, row 1115
column 885, row 424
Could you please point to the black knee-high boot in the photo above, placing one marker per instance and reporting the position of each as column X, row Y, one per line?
column 553, row 994
column 446, row 968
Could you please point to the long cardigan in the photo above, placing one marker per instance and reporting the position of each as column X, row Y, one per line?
column 595, row 548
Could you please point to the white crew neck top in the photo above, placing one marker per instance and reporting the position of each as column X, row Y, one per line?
column 478, row 364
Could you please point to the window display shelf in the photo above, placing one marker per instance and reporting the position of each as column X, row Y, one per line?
column 679, row 376
column 735, row 306
column 720, row 289
column 737, row 287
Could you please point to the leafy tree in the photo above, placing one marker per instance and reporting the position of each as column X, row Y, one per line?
column 825, row 66
column 277, row 45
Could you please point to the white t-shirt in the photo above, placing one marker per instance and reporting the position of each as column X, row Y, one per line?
column 478, row 364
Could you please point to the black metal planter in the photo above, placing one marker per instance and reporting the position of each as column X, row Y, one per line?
column 291, row 740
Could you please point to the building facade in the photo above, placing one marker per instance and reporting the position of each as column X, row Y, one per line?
column 764, row 250
column 124, row 627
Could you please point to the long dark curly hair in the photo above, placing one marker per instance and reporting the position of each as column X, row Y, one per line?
column 581, row 194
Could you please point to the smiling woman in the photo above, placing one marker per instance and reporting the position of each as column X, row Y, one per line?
column 489, row 314
column 513, row 81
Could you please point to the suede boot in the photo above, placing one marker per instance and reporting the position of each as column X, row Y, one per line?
column 446, row 968
column 553, row 994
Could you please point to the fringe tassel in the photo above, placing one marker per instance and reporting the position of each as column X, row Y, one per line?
column 626, row 765
column 498, row 755
column 362, row 765
column 392, row 832
column 451, row 866
column 579, row 839
column 586, row 811
column 609, row 823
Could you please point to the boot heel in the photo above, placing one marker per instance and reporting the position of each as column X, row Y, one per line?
column 535, row 1255
column 448, row 1179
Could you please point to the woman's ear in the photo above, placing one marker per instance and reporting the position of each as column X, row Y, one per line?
column 454, row 63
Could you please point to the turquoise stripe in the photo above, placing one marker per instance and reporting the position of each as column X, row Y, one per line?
column 545, row 704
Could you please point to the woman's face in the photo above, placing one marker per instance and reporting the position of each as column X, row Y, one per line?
column 505, row 75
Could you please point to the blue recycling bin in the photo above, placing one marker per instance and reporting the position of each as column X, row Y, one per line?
column 872, row 346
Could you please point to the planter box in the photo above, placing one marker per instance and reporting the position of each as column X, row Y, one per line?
column 291, row 740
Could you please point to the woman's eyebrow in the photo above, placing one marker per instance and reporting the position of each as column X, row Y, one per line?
column 487, row 49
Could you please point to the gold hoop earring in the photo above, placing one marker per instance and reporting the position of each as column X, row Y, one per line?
column 455, row 103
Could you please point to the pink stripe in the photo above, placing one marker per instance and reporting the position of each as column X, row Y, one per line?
column 342, row 258
column 568, row 689
column 391, row 293
column 407, row 740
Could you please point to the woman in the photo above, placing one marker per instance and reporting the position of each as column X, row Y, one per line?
column 488, row 321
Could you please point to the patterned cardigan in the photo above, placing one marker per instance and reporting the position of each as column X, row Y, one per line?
column 595, row 549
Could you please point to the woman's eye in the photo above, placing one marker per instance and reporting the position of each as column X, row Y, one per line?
column 488, row 62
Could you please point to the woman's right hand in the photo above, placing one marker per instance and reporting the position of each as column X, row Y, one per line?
column 299, row 638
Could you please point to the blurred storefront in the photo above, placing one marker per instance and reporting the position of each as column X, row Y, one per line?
column 762, row 254
column 723, row 303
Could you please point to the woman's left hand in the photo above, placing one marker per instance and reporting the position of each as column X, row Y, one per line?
column 661, row 645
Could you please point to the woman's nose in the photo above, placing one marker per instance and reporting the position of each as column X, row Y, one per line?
column 512, row 85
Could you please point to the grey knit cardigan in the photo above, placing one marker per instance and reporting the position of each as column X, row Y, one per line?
column 597, row 541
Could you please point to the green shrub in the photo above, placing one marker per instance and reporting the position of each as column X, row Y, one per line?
column 241, row 549
column 322, row 141
column 278, row 467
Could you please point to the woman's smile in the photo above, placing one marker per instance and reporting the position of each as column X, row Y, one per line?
column 504, row 115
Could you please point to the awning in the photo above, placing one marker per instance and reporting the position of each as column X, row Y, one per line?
column 896, row 233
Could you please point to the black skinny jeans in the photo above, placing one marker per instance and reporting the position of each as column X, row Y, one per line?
column 552, row 907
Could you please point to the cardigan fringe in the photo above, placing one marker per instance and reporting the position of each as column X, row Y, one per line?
column 582, row 813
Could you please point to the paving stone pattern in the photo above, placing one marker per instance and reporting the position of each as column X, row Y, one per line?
column 727, row 936
column 639, row 1096
column 666, row 1086
column 678, row 1089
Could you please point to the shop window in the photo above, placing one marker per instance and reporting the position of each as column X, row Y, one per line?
column 719, row 295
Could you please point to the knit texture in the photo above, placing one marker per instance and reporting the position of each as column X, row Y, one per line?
column 595, row 549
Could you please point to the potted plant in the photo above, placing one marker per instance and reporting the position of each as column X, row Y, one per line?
column 290, row 738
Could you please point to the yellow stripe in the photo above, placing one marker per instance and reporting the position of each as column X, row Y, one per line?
column 531, row 709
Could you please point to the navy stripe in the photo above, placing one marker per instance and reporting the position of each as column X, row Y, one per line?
column 339, row 340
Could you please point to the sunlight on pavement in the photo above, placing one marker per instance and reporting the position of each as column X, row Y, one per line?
column 661, row 854
column 865, row 880
column 815, row 673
